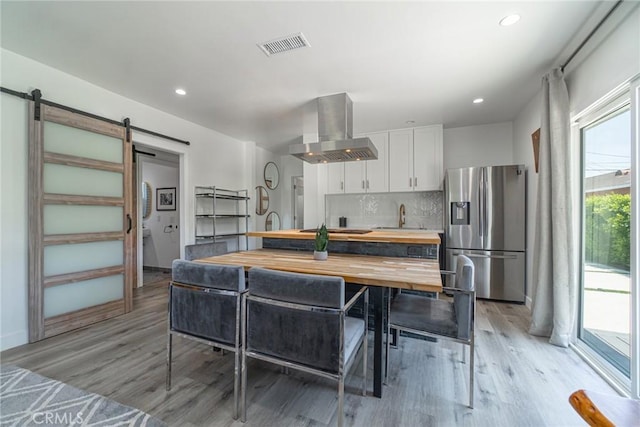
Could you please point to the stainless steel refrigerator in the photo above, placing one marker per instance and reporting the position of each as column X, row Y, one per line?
column 486, row 221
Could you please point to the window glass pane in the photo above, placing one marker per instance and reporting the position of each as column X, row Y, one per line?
column 75, row 296
column 61, row 179
column 606, row 298
column 62, row 259
column 66, row 219
column 77, row 142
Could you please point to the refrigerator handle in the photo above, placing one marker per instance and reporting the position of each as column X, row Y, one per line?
column 485, row 229
column 481, row 204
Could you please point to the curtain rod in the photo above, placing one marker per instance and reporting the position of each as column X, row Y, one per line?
column 26, row 96
column 597, row 27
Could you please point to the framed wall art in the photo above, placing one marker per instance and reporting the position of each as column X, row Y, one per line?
column 166, row 199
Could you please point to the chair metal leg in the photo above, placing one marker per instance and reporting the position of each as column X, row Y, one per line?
column 365, row 343
column 243, row 387
column 386, row 369
column 236, row 384
column 169, row 342
column 471, row 373
column 341, row 401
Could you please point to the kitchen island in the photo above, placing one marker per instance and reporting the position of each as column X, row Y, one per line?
column 412, row 244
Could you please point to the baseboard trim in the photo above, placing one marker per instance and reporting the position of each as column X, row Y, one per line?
column 161, row 269
column 13, row 339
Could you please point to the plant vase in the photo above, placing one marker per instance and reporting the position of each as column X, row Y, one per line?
column 320, row 255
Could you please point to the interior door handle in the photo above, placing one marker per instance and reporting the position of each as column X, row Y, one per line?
column 130, row 223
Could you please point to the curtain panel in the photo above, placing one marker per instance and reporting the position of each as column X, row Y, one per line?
column 555, row 249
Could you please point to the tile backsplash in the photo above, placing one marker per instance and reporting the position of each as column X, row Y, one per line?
column 423, row 209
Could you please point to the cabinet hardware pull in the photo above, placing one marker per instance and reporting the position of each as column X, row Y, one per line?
column 367, row 184
column 410, row 182
column 341, row 185
column 130, row 223
column 415, row 181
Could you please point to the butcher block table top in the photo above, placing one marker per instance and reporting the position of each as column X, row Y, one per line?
column 405, row 273
column 396, row 236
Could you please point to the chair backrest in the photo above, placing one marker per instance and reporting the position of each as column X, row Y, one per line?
column 463, row 303
column 310, row 338
column 204, row 250
column 207, row 307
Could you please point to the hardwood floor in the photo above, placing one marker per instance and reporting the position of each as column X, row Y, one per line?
column 521, row 380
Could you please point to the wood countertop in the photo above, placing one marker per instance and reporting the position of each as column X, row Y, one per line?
column 405, row 273
column 381, row 236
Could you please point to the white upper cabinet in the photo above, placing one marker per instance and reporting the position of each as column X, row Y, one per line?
column 371, row 176
column 415, row 159
column 355, row 177
column 401, row 160
column 335, row 178
column 427, row 158
column 377, row 179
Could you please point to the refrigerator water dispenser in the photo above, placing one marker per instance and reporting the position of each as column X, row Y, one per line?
column 460, row 213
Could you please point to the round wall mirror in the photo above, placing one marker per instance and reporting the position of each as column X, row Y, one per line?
column 146, row 196
column 272, row 222
column 262, row 200
column 271, row 175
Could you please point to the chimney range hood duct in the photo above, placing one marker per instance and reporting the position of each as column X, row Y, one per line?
column 335, row 131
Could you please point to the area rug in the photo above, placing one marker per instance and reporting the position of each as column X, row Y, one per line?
column 29, row 399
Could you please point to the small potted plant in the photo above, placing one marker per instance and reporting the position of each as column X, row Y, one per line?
column 321, row 243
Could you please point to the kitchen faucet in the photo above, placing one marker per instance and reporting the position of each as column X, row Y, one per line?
column 401, row 221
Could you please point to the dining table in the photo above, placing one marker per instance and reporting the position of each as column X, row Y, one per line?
column 379, row 273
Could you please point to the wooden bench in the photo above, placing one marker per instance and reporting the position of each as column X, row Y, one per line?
column 605, row 410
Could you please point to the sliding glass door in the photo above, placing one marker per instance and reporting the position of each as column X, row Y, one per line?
column 605, row 312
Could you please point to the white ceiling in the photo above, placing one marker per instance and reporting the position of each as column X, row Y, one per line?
column 398, row 61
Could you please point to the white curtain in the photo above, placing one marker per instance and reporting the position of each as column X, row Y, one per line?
column 554, row 272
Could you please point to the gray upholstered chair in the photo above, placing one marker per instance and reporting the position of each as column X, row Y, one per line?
column 205, row 306
column 451, row 320
column 299, row 321
column 204, row 250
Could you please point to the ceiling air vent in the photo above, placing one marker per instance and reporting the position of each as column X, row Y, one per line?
column 284, row 44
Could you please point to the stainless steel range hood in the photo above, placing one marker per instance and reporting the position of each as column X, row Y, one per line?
column 335, row 131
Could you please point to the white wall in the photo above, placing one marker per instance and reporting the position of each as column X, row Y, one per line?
column 525, row 124
column 275, row 196
column 483, row 145
column 163, row 245
column 291, row 166
column 614, row 60
column 211, row 159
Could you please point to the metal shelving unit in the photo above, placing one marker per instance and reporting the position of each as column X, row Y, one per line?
column 219, row 215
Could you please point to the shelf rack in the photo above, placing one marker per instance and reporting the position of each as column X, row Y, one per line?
column 215, row 210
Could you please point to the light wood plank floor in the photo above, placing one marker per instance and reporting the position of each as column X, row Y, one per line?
column 521, row 380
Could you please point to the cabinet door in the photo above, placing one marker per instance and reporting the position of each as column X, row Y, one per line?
column 335, row 178
column 377, row 176
column 401, row 160
column 427, row 158
column 354, row 177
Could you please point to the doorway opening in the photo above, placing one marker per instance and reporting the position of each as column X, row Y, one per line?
column 158, row 199
column 297, row 194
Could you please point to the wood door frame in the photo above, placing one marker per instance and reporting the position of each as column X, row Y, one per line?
column 39, row 326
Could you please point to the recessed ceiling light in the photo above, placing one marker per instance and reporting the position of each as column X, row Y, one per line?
column 478, row 101
column 181, row 91
column 509, row 20
column 410, row 122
